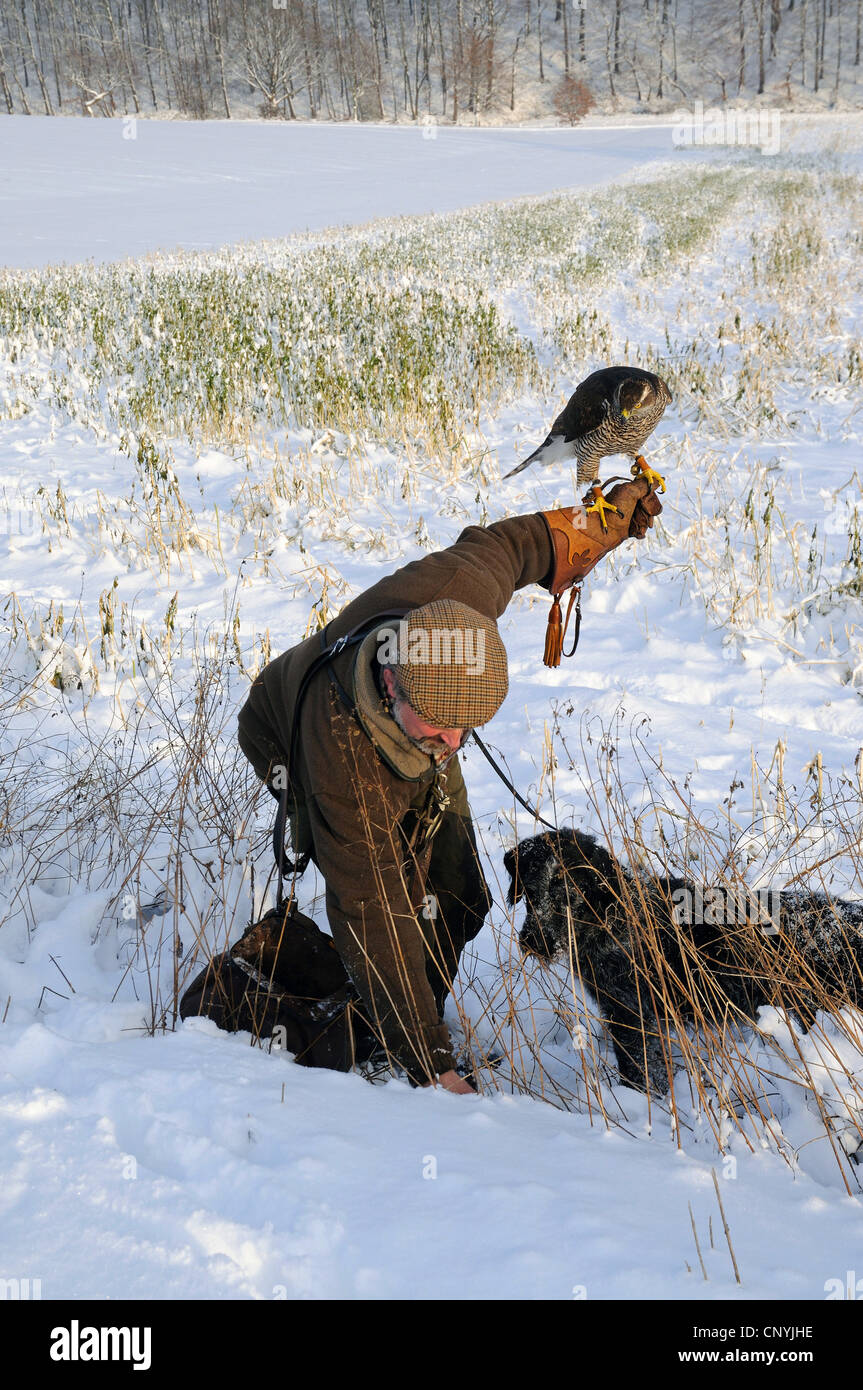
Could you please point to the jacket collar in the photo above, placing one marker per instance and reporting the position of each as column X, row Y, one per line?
column 394, row 746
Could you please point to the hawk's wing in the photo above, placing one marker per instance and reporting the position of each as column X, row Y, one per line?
column 584, row 411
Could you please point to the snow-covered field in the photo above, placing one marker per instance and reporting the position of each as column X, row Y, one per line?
column 204, row 454
column 73, row 190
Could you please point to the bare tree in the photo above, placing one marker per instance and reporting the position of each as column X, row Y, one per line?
column 775, row 21
column 663, row 36
column 120, row 53
column 36, row 59
column 719, row 60
column 4, row 84
column 617, row 9
column 629, row 61
column 218, row 29
column 572, row 99
column 271, row 53
column 478, row 65
column 609, row 66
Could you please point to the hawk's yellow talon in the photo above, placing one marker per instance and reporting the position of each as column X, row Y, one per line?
column 642, row 467
column 600, row 505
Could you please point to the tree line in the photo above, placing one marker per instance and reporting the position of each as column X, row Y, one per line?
column 448, row 60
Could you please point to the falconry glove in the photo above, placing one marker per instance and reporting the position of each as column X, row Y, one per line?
column 581, row 538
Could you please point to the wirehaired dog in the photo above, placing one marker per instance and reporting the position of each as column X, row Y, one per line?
column 655, row 951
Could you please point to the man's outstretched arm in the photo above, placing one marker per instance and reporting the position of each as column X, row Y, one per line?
column 486, row 565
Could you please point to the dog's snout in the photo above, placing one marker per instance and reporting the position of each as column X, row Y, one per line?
column 532, row 940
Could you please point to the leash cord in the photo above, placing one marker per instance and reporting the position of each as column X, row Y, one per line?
column 508, row 784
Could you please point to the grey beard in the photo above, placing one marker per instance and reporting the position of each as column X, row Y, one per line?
column 439, row 752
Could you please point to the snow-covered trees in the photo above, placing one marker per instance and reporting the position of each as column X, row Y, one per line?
column 456, row 60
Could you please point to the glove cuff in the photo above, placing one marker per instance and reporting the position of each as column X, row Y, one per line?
column 577, row 548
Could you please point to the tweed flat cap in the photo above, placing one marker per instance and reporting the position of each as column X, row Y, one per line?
column 450, row 662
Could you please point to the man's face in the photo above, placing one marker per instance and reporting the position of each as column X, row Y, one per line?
column 439, row 744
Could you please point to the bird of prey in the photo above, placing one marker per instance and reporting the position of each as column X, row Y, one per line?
column 613, row 411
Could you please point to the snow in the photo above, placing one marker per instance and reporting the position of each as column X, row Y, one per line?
column 194, row 1178
column 189, row 1164
column 72, row 190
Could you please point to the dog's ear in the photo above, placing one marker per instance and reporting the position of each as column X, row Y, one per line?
column 587, row 852
column 510, row 863
column 606, row 868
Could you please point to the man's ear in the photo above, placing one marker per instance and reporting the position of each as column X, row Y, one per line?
column 388, row 679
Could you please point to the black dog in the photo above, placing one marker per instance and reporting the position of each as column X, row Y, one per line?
column 649, row 948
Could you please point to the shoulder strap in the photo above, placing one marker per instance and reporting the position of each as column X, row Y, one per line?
column 326, row 655
column 349, row 639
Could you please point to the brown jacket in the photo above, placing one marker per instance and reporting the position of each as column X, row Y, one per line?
column 357, row 777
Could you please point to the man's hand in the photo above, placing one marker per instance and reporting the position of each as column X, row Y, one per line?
column 451, row 1081
column 580, row 540
column 647, row 506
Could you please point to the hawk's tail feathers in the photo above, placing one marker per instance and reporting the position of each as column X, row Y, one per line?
column 544, row 452
column 519, row 466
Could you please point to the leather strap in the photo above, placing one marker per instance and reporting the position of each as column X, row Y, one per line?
column 509, row 785
column 350, row 639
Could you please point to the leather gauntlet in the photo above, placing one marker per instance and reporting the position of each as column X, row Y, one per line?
column 579, row 543
column 579, row 540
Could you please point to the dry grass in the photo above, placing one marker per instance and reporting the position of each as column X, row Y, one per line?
column 723, row 1074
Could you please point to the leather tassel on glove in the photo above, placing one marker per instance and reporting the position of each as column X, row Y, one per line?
column 580, row 540
column 554, row 635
